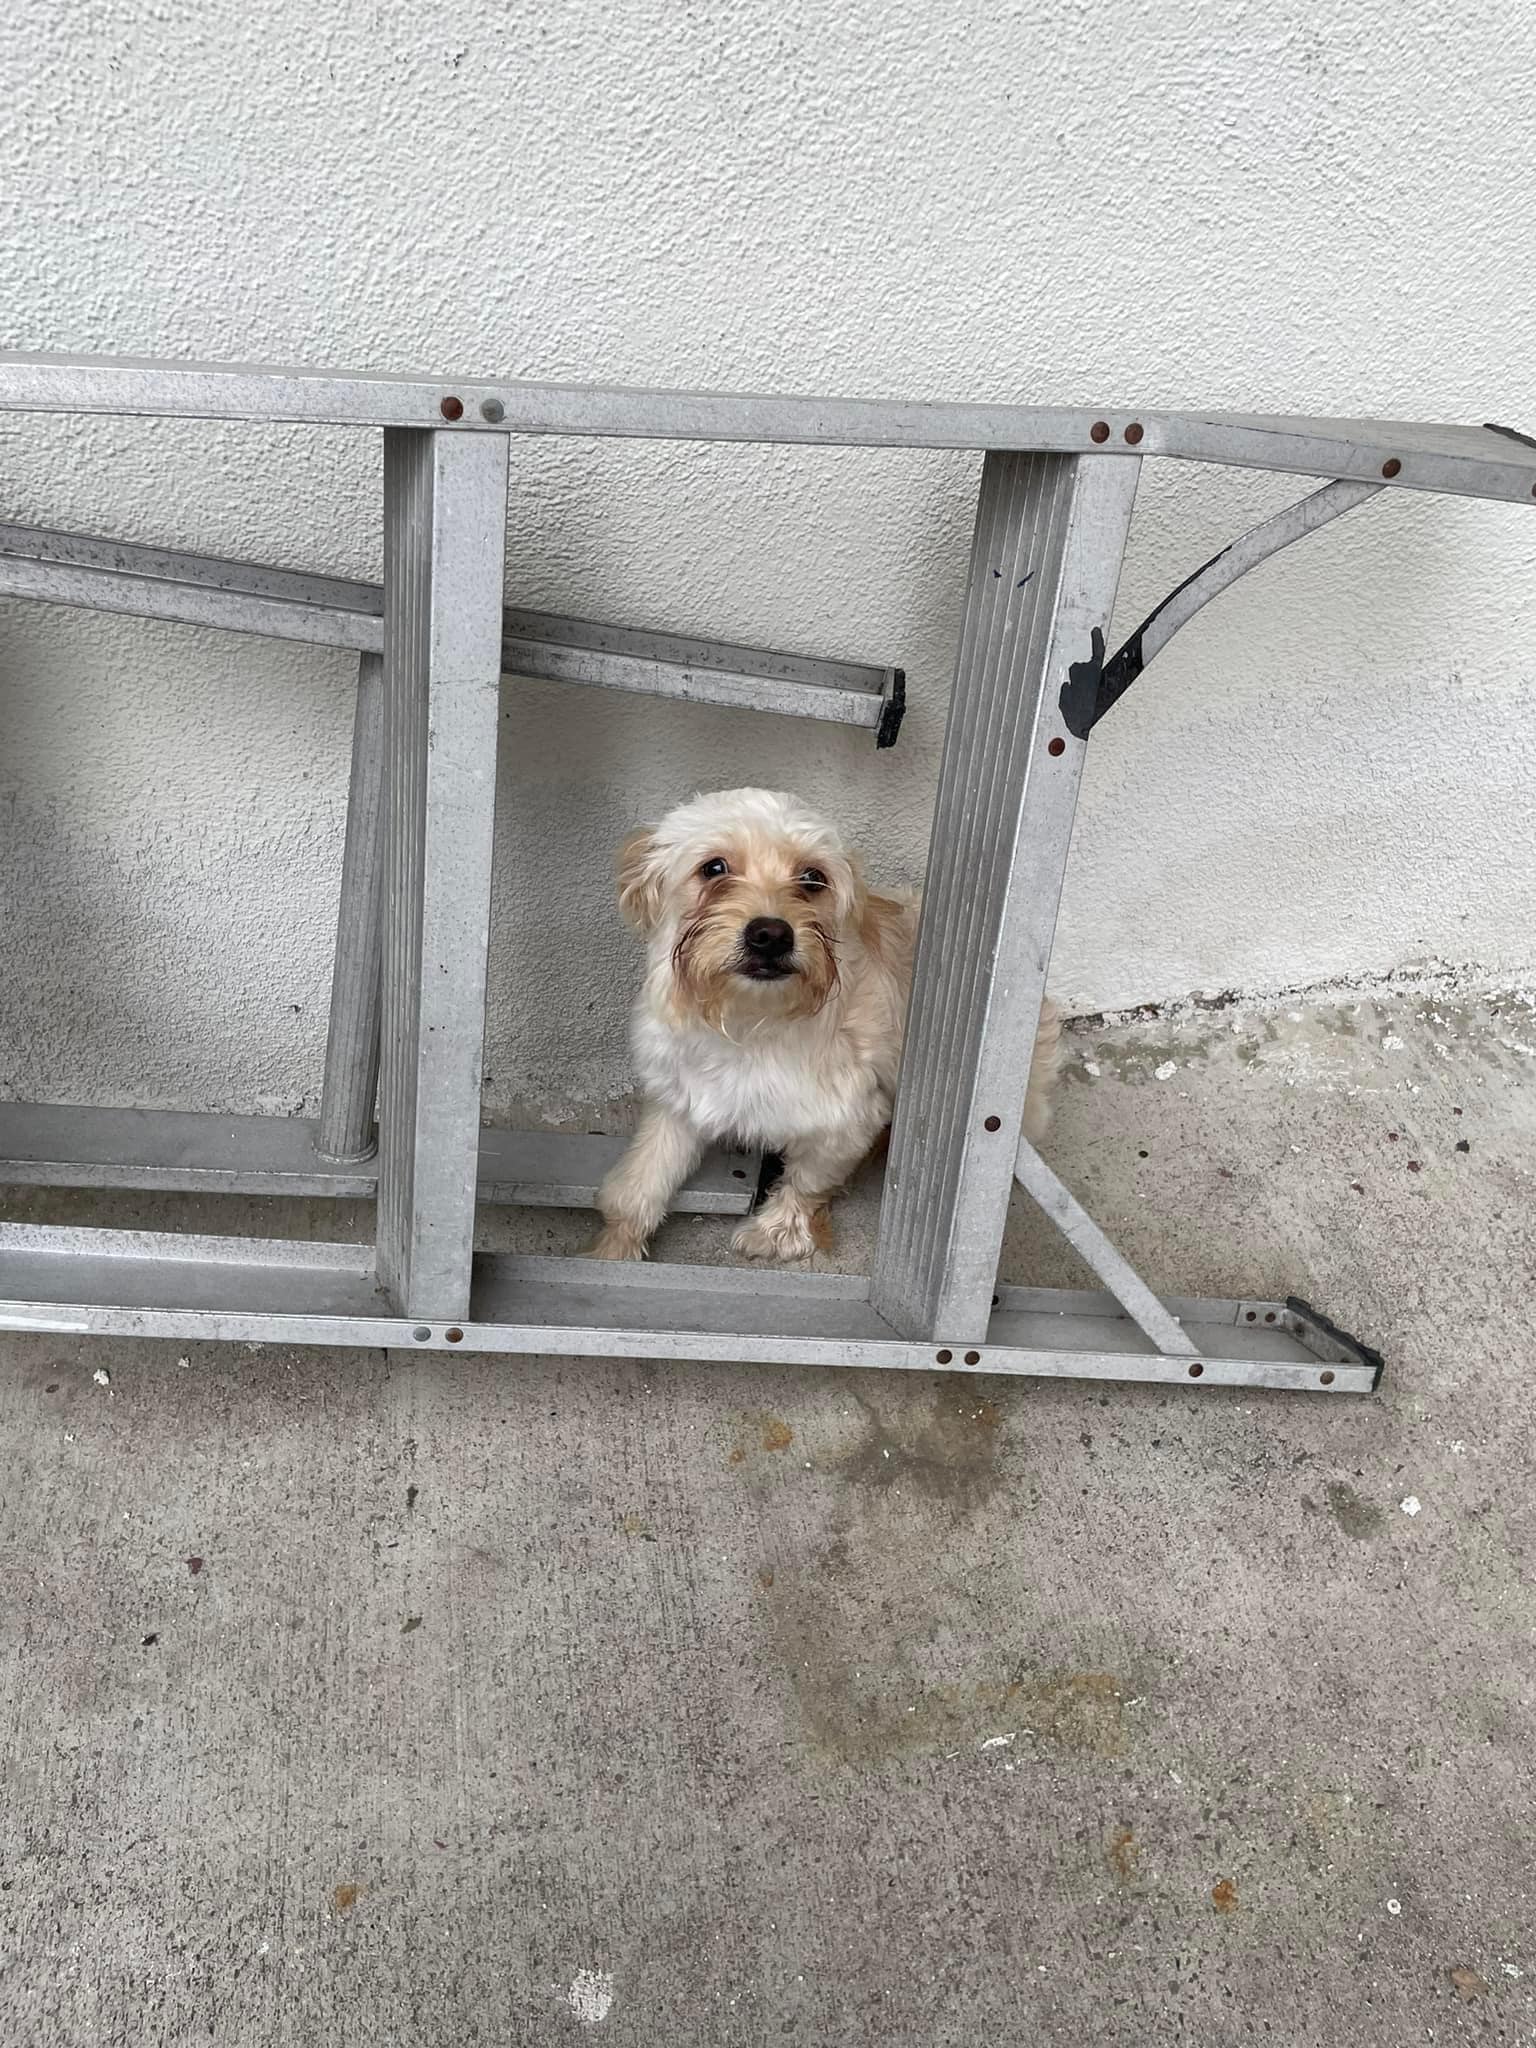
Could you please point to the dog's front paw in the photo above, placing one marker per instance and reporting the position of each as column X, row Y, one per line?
column 616, row 1241
column 785, row 1234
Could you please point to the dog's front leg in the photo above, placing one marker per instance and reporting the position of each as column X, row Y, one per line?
column 793, row 1221
column 636, row 1195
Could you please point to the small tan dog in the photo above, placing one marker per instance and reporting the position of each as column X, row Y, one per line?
column 771, row 1014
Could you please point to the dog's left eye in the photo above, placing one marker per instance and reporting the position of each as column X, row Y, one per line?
column 712, row 870
column 812, row 878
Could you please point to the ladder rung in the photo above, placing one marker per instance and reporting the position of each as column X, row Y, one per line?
column 330, row 611
column 57, row 1144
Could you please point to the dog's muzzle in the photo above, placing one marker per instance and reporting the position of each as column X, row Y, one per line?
column 767, row 949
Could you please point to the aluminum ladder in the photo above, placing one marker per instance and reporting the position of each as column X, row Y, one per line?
column 1032, row 680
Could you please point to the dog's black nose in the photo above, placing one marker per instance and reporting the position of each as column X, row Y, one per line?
column 770, row 938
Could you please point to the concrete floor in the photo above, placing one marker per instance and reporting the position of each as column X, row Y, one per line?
column 437, row 1700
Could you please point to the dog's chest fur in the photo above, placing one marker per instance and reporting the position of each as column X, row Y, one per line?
column 773, row 1085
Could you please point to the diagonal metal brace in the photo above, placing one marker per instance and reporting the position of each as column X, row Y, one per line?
column 1058, row 1202
column 1096, row 685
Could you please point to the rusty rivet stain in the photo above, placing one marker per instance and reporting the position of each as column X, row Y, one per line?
column 1099, row 431
column 1122, row 1853
column 992, row 1123
column 452, row 408
column 454, row 1336
column 1195, row 1371
column 1134, row 432
column 1224, row 1895
column 944, row 1357
column 1058, row 746
column 973, row 1358
column 1326, row 1378
column 1391, row 468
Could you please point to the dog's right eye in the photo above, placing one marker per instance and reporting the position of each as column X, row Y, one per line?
column 712, row 870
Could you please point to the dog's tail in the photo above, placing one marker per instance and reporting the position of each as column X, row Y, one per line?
column 1043, row 1070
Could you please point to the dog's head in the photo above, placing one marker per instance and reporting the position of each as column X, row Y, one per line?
column 744, row 896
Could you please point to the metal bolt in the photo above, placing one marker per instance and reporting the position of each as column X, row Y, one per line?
column 454, row 1336
column 1195, row 1371
column 493, row 410
column 1057, row 746
column 1134, row 432
column 1391, row 467
column 1099, row 431
column 452, row 408
column 992, row 1123
column 1326, row 1378
column 973, row 1358
column 944, row 1356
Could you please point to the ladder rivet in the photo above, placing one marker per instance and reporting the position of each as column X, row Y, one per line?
column 421, row 1333
column 973, row 1358
column 1195, row 1371
column 1099, row 431
column 452, row 408
column 992, row 1123
column 1391, row 468
column 493, row 410
column 454, row 1336
column 1134, row 432
column 944, row 1356
column 1326, row 1378
column 1058, row 746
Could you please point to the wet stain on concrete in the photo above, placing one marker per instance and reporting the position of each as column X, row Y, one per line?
column 944, row 1451
column 1356, row 1517
column 855, row 1715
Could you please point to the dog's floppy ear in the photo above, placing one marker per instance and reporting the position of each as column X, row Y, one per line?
column 641, row 880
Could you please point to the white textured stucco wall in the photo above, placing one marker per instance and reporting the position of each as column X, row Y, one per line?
column 1122, row 202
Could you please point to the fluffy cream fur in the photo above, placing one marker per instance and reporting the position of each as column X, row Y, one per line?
column 799, row 1057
